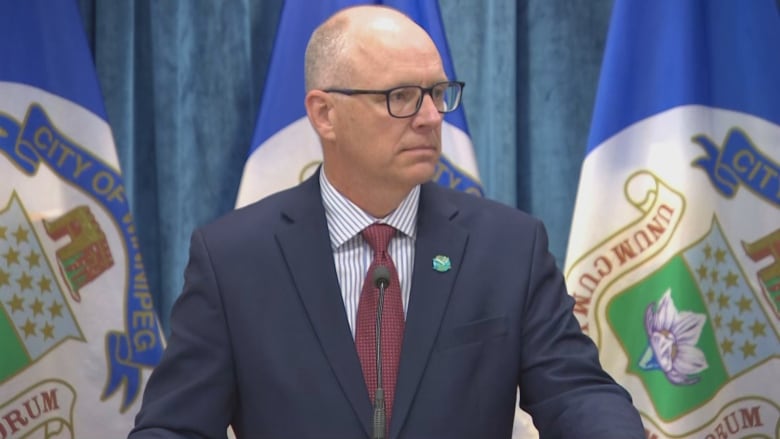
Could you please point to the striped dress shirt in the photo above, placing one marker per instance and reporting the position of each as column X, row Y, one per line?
column 352, row 254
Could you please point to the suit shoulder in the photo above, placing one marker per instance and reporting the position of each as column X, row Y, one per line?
column 258, row 217
column 472, row 207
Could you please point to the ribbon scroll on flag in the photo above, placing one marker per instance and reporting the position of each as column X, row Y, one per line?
column 674, row 253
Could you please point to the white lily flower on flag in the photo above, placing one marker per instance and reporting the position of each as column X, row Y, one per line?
column 672, row 337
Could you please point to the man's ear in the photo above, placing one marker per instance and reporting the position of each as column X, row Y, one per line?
column 319, row 108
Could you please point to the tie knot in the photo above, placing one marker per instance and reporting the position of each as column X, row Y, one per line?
column 378, row 236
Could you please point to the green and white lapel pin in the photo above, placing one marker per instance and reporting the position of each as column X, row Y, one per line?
column 441, row 263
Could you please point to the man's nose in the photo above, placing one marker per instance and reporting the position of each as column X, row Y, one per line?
column 428, row 110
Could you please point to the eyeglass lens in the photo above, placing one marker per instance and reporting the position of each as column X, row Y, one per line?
column 406, row 101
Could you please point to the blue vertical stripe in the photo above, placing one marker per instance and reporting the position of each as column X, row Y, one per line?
column 61, row 63
column 665, row 53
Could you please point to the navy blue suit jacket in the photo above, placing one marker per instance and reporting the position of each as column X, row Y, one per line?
column 260, row 339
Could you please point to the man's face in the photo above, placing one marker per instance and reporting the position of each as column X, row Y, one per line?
column 379, row 149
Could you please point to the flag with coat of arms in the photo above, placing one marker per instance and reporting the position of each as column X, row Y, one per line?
column 285, row 149
column 78, row 332
column 674, row 252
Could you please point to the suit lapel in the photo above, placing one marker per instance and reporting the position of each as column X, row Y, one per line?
column 305, row 243
column 437, row 235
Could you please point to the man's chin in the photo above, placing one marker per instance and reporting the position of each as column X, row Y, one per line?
column 424, row 172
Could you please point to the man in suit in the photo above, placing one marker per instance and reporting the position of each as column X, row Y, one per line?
column 271, row 333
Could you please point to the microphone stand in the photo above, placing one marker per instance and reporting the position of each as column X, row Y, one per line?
column 382, row 280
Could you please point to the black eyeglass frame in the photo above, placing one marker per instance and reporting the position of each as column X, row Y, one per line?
column 424, row 91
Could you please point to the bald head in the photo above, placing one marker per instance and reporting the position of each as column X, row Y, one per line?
column 352, row 33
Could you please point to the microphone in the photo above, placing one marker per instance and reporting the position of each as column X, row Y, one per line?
column 381, row 277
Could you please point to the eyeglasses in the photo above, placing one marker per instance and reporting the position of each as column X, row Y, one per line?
column 406, row 100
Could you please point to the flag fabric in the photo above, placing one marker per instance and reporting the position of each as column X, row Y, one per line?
column 78, row 332
column 674, row 253
column 285, row 149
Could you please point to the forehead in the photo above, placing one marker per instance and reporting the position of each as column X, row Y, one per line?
column 385, row 48
column 390, row 62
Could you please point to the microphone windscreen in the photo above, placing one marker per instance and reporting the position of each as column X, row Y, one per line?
column 381, row 276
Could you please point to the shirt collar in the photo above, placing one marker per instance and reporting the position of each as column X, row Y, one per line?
column 345, row 219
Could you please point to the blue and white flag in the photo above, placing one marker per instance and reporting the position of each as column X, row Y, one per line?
column 285, row 149
column 78, row 332
column 674, row 253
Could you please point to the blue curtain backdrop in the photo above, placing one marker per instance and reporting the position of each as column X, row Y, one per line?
column 182, row 81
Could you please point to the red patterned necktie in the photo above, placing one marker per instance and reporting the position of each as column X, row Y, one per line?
column 378, row 237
